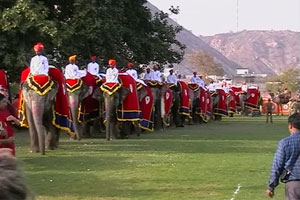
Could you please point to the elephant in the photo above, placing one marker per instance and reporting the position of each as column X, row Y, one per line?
column 43, row 108
column 39, row 117
column 77, row 91
column 158, row 91
column 194, row 94
column 279, row 99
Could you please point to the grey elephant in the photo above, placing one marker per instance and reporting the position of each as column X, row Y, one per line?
column 42, row 108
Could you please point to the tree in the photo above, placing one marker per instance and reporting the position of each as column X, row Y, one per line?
column 125, row 31
column 205, row 63
column 288, row 79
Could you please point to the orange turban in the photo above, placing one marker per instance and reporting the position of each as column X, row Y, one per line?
column 130, row 64
column 38, row 47
column 112, row 62
column 72, row 58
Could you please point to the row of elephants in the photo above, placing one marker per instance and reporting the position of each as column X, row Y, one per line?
column 48, row 104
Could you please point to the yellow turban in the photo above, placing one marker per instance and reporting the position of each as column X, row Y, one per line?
column 72, row 58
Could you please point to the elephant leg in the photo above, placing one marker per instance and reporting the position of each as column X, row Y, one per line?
column 32, row 132
column 52, row 138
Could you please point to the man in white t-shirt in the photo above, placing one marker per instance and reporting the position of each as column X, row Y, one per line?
column 72, row 71
column 112, row 72
column 93, row 66
column 39, row 63
column 131, row 71
column 155, row 74
column 147, row 76
column 172, row 78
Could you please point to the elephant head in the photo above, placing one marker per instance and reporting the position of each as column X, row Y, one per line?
column 39, row 114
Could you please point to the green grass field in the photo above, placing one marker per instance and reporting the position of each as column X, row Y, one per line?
column 208, row 161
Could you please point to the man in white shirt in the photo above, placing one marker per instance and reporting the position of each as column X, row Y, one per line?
column 93, row 66
column 244, row 87
column 112, row 72
column 195, row 79
column 72, row 71
column 201, row 81
column 155, row 75
column 212, row 86
column 147, row 76
column 172, row 78
column 131, row 71
column 39, row 63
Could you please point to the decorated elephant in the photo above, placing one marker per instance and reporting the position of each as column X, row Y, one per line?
column 83, row 106
column 121, row 105
column 43, row 108
column 194, row 95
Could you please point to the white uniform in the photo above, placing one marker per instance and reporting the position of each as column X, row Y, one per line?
column 39, row 65
column 112, row 75
column 172, row 79
column 197, row 80
column 155, row 76
column 244, row 88
column 132, row 73
column 72, row 72
column 226, row 89
column 212, row 87
column 147, row 76
column 93, row 68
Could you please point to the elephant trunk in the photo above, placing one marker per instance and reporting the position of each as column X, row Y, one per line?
column 37, row 115
column 74, row 103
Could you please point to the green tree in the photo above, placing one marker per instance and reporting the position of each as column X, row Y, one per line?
column 288, row 79
column 205, row 63
column 125, row 30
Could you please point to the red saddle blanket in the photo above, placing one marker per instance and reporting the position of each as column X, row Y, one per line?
column 208, row 103
column 252, row 100
column 185, row 100
column 237, row 91
column 232, row 103
column 168, row 99
column 130, row 109
column 221, row 108
column 146, row 106
column 110, row 88
column 89, row 108
column 61, row 114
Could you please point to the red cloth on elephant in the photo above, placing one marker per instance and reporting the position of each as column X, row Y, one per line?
column 232, row 103
column 237, row 90
column 130, row 108
column 89, row 109
column 7, row 126
column 203, row 102
column 221, row 108
column 146, row 105
column 252, row 99
column 185, row 100
column 61, row 114
column 208, row 103
column 3, row 80
column 168, row 99
column 193, row 86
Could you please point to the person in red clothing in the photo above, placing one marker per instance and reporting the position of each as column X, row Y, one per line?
column 6, row 120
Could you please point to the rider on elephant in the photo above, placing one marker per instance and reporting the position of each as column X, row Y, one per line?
column 72, row 71
column 155, row 74
column 147, row 76
column 131, row 71
column 93, row 66
column 172, row 78
column 39, row 63
column 112, row 72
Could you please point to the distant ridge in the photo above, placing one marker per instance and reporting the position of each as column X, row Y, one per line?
column 269, row 52
column 194, row 44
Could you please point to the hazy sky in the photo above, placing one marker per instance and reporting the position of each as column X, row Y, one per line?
column 209, row 17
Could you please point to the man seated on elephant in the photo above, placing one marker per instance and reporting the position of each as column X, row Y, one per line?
column 195, row 79
column 112, row 72
column 155, row 74
column 147, row 76
column 72, row 71
column 93, row 66
column 172, row 78
column 131, row 71
column 39, row 63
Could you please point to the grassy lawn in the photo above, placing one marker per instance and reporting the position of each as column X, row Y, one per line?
column 208, row 161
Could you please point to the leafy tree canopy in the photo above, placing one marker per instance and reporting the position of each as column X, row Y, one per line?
column 125, row 30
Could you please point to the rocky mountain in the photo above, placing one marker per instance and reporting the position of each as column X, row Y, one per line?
column 193, row 44
column 268, row 52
